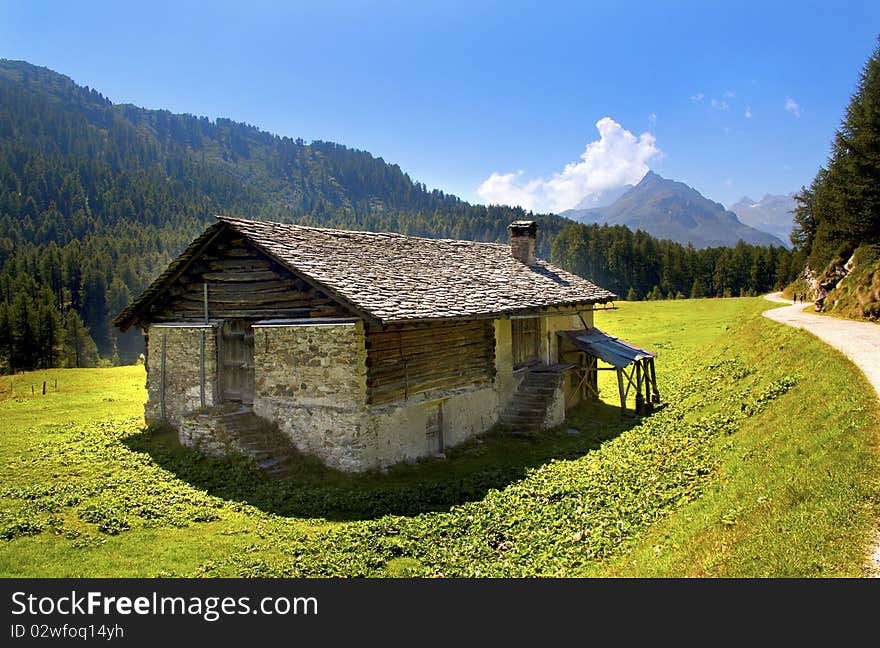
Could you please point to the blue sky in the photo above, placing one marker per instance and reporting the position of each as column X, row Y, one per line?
column 490, row 100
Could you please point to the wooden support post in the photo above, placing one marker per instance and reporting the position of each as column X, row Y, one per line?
column 656, row 393
column 44, row 388
column 205, row 299
column 620, row 389
column 648, row 399
column 640, row 400
column 549, row 338
column 594, row 376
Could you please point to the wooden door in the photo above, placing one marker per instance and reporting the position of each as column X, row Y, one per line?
column 526, row 341
column 434, row 428
column 237, row 362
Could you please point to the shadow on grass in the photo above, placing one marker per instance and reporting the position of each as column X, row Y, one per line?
column 311, row 490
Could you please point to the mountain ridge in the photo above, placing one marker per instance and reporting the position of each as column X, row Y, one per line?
column 773, row 214
column 245, row 170
column 670, row 209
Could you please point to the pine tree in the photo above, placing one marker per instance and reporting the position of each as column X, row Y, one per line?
column 841, row 208
column 656, row 294
column 5, row 339
column 79, row 349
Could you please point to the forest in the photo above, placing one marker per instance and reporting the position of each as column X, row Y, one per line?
column 96, row 198
column 840, row 210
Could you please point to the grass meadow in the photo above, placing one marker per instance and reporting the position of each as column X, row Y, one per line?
column 764, row 462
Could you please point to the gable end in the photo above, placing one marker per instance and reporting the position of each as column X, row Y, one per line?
column 243, row 282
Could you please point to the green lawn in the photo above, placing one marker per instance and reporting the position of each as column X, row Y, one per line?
column 764, row 462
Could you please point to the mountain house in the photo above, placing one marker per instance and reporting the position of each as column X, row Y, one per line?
column 364, row 349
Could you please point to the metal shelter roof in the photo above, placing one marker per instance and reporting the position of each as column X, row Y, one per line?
column 606, row 347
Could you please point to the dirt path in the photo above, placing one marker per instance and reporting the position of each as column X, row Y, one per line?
column 859, row 341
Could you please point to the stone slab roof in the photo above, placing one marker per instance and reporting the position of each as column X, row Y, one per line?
column 396, row 278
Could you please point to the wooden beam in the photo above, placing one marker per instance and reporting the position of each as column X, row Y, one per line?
column 629, row 379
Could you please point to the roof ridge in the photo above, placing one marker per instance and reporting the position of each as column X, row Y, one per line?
column 232, row 220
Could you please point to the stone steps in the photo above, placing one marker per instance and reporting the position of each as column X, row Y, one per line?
column 258, row 439
column 528, row 407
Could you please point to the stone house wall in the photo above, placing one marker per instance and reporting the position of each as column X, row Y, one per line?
column 310, row 379
column 180, row 386
column 409, row 430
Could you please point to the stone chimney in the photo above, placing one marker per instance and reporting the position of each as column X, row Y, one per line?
column 522, row 241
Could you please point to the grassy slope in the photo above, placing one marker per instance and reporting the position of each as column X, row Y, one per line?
column 797, row 485
column 764, row 463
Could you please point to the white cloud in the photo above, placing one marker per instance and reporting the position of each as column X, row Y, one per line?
column 508, row 189
column 698, row 97
column 617, row 158
column 729, row 94
column 719, row 105
column 652, row 120
column 748, row 112
column 793, row 107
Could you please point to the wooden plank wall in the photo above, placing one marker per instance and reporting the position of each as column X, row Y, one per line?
column 408, row 359
column 242, row 283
